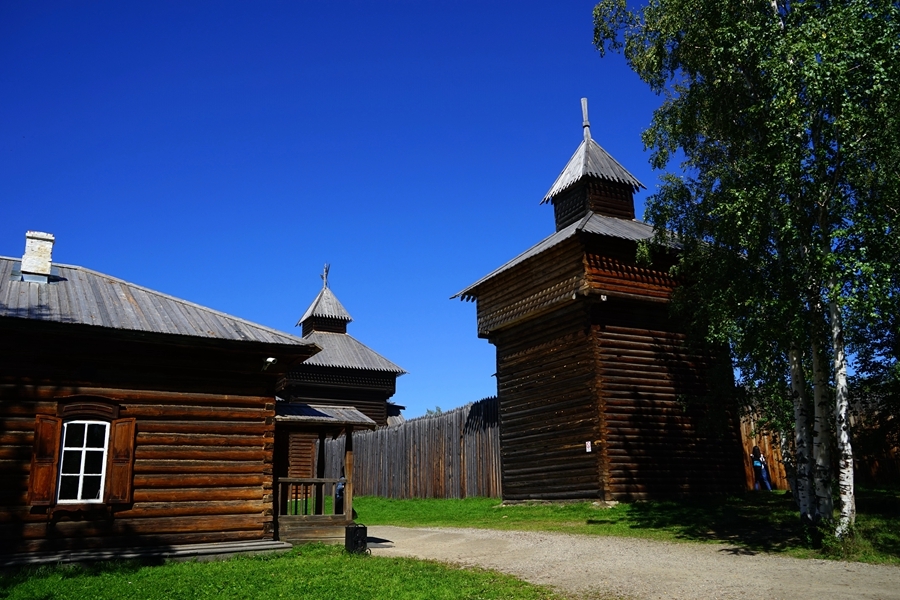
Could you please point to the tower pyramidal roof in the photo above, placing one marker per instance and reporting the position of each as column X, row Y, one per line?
column 325, row 324
column 326, row 305
column 590, row 160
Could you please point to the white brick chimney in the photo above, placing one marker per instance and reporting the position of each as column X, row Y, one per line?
column 36, row 261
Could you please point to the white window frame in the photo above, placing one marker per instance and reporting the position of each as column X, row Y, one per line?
column 81, row 474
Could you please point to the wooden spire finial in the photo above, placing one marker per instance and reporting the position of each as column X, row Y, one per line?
column 324, row 275
column 586, row 124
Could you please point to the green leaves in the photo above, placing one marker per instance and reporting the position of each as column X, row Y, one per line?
column 788, row 123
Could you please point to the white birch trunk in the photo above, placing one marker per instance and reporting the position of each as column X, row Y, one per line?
column 821, row 445
column 787, row 459
column 842, row 423
column 801, row 433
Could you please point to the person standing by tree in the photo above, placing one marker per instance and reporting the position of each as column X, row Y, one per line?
column 760, row 470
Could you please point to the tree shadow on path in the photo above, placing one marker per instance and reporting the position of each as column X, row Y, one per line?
column 755, row 522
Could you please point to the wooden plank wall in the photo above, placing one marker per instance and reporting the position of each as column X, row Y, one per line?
column 202, row 473
column 546, row 387
column 451, row 455
column 655, row 444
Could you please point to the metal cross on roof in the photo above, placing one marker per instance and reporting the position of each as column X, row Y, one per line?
column 324, row 275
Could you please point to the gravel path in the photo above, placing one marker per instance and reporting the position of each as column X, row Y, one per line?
column 610, row 567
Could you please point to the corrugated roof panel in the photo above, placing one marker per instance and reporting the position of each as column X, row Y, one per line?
column 79, row 295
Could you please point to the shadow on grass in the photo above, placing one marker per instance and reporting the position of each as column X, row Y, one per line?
column 766, row 522
column 756, row 522
column 878, row 521
column 12, row 577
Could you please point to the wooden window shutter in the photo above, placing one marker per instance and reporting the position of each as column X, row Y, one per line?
column 120, row 468
column 44, row 461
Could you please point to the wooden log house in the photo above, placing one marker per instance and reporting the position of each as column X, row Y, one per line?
column 591, row 370
column 133, row 419
column 346, row 373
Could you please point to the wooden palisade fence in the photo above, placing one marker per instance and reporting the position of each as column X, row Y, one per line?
column 455, row 454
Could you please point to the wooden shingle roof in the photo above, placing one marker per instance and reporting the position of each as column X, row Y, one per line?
column 77, row 295
column 342, row 350
column 590, row 160
column 320, row 414
column 327, row 306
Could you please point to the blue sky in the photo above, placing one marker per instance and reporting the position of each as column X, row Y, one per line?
column 223, row 152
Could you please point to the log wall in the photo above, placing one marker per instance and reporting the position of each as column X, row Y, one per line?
column 202, row 472
column 611, row 199
column 658, row 443
column 602, row 197
column 546, row 383
column 537, row 285
column 455, row 454
column 612, row 274
column 587, row 357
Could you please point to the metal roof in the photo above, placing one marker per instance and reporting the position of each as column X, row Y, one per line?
column 326, row 305
column 591, row 223
column 77, row 295
column 590, row 160
column 342, row 350
column 317, row 414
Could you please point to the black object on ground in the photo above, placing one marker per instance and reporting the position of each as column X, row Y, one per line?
column 355, row 538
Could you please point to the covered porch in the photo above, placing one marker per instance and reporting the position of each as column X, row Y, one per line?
column 314, row 509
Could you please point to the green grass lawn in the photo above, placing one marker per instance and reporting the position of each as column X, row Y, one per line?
column 759, row 521
column 313, row 572
column 755, row 521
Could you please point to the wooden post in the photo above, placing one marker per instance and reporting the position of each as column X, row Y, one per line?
column 320, row 473
column 348, row 473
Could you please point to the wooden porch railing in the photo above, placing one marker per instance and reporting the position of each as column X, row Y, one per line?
column 313, row 498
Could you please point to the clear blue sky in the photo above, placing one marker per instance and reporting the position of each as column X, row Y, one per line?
column 222, row 152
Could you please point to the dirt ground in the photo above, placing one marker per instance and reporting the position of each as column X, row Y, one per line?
column 593, row 567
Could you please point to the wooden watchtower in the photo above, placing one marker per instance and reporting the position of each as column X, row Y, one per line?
column 592, row 374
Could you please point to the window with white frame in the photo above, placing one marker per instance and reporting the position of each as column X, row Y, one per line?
column 82, row 472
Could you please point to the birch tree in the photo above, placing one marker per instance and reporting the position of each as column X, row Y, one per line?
column 784, row 116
